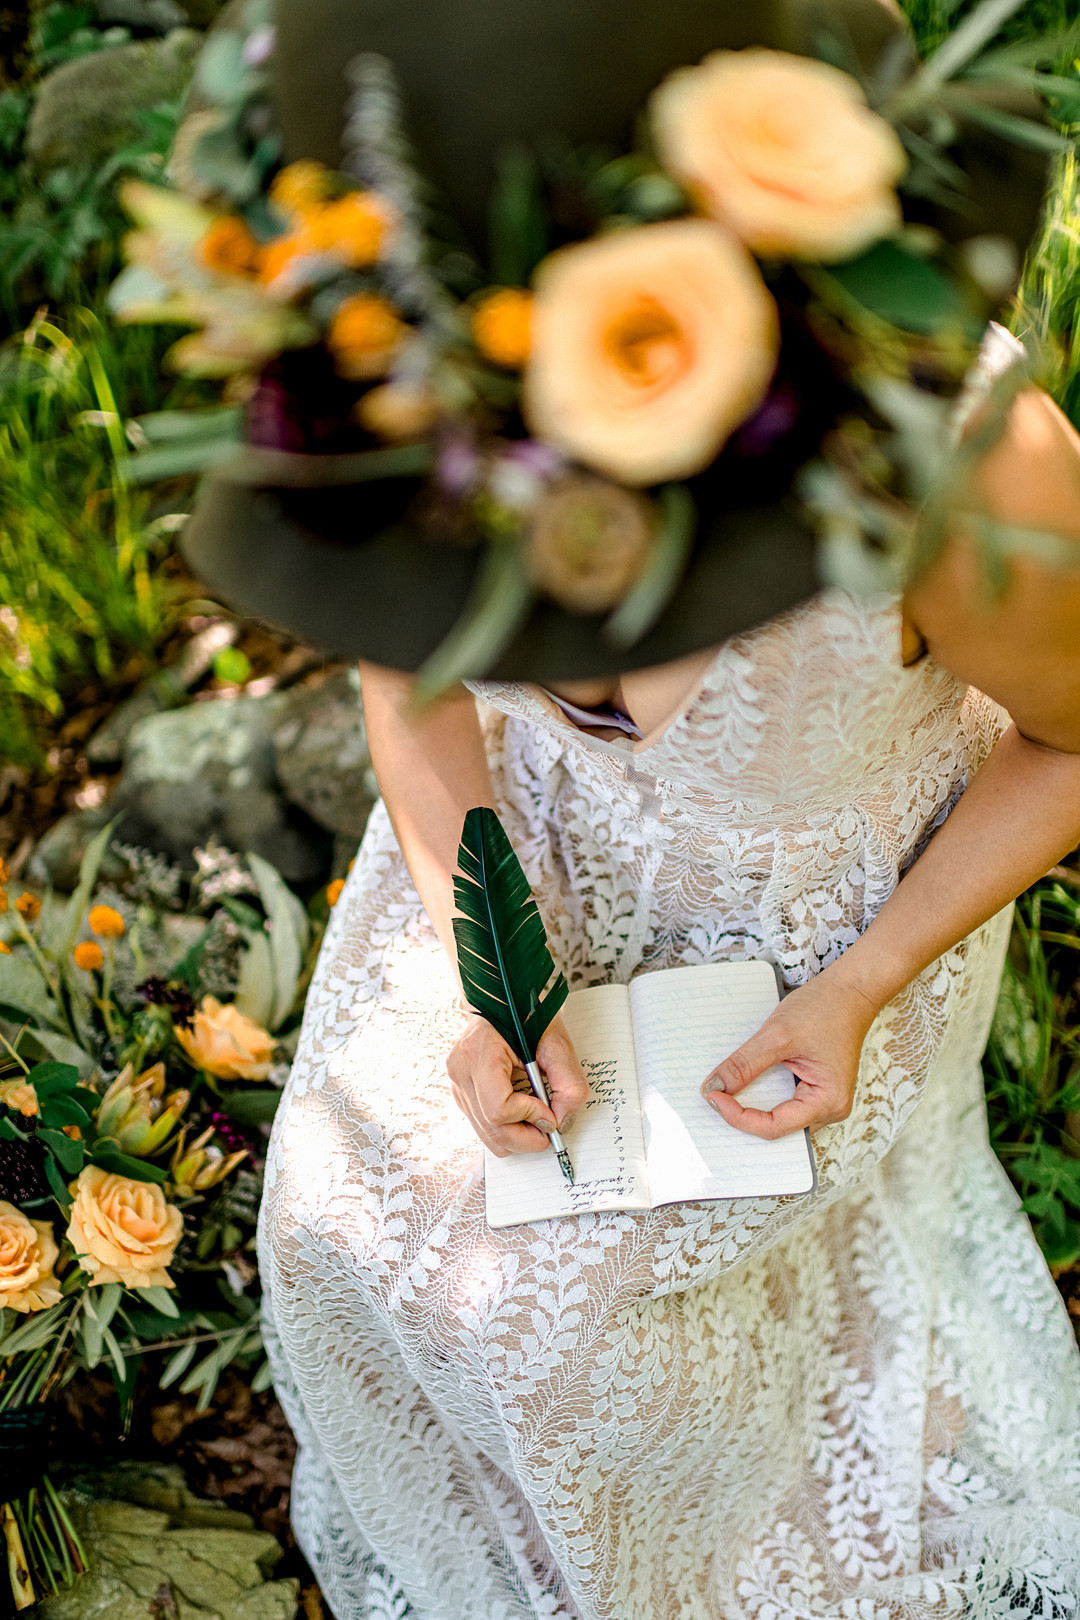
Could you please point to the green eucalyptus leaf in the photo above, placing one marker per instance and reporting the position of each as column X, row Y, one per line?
column 256, row 983
column 175, row 460
column 251, row 1107
column 48, row 1078
column 109, row 1158
column 177, row 1364
column 288, row 928
column 23, row 988
column 57, row 1183
column 212, row 422
column 909, row 291
column 76, row 906
column 159, row 1299
column 59, row 1046
column 222, row 74
column 518, row 221
column 63, row 1111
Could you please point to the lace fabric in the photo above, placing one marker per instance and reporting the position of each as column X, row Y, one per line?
column 863, row 1404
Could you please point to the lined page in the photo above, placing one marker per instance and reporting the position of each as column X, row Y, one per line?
column 605, row 1144
column 686, row 1020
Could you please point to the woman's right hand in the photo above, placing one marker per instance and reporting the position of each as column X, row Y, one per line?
column 485, row 1077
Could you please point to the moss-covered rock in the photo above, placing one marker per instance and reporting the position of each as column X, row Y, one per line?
column 90, row 108
column 181, row 1558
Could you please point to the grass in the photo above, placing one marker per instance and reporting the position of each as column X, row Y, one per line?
column 932, row 21
column 1047, row 308
column 79, row 589
column 1032, row 1066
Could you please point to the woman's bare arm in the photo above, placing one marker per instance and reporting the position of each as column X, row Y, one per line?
column 1020, row 814
column 431, row 769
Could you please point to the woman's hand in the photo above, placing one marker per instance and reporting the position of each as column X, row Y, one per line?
column 817, row 1032
column 485, row 1077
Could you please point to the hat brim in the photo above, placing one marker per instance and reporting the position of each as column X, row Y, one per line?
column 392, row 598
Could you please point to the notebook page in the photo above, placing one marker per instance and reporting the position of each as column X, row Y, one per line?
column 605, row 1144
column 685, row 1021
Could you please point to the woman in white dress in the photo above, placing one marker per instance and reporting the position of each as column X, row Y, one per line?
column 863, row 1403
column 860, row 1404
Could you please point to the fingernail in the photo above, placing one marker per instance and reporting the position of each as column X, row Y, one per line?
column 568, row 1122
column 711, row 1099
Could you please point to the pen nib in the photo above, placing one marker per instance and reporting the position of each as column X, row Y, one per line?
column 566, row 1167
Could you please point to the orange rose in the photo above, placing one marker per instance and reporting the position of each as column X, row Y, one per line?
column 782, row 149
column 363, row 335
column 650, row 346
column 28, row 1253
column 502, row 326
column 229, row 247
column 28, row 906
column 88, row 955
column 226, row 1043
column 122, row 1230
column 106, row 922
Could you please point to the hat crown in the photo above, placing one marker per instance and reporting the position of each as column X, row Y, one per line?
column 478, row 75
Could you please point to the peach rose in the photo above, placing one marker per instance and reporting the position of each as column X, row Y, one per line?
column 19, row 1096
column 28, row 1253
column 123, row 1231
column 650, row 346
column 224, row 1042
column 782, row 149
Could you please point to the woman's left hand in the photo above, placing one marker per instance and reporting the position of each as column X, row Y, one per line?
column 817, row 1032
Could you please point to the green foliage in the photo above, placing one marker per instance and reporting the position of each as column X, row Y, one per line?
column 932, row 21
column 1032, row 1067
column 503, row 954
column 1047, row 310
column 77, row 549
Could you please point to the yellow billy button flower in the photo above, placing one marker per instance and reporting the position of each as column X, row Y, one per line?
column 88, row 955
column 3, row 901
column 106, row 922
column 300, row 187
column 5, row 870
column 363, row 335
column 28, row 906
column 502, row 326
column 333, row 891
column 353, row 228
column 5, row 949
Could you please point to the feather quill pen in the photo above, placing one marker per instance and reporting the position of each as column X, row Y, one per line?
column 502, row 948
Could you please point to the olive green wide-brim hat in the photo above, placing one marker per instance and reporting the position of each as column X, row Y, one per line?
column 341, row 565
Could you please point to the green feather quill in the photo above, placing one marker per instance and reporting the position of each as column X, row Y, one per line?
column 502, row 947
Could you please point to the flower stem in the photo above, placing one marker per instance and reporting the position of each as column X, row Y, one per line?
column 22, row 1587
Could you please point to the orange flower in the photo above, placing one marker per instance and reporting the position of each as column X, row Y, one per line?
column 502, row 326
column 398, row 411
column 224, row 1042
column 28, row 906
column 5, row 871
column 5, row 950
column 300, row 187
column 88, row 956
column 333, row 891
column 20, row 1097
column 123, row 1231
column 229, row 247
column 783, row 150
column 28, row 1253
column 3, row 901
column 106, row 922
column 278, row 255
column 650, row 346
column 352, row 229
column 363, row 335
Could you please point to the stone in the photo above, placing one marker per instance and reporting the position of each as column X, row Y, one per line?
column 58, row 855
column 142, row 1563
column 166, row 689
column 321, row 751
column 207, row 772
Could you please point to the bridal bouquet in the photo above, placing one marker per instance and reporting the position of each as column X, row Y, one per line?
column 143, row 1025
column 646, row 318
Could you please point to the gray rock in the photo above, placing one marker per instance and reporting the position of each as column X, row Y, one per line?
column 166, row 689
column 159, row 16
column 207, row 771
column 58, row 855
column 323, row 762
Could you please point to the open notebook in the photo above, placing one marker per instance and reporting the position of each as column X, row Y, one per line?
column 647, row 1136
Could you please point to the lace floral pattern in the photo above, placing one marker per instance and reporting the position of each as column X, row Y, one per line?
column 863, row 1404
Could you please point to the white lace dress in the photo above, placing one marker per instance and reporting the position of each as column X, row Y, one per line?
column 864, row 1403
